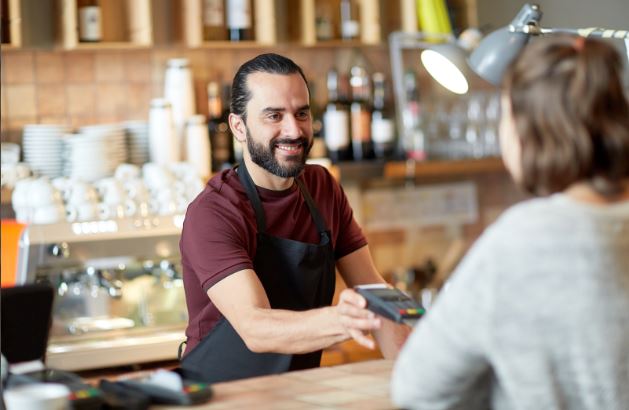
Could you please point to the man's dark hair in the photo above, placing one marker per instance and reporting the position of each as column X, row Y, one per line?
column 264, row 63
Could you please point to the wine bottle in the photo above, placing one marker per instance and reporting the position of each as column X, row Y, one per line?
column 90, row 26
column 239, row 20
column 214, row 20
column 218, row 127
column 382, row 128
column 414, row 140
column 350, row 27
column 336, row 122
column 362, row 147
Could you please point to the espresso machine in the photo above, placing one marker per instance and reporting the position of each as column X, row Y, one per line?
column 119, row 293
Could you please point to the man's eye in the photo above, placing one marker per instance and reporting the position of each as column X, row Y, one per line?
column 303, row 115
column 274, row 116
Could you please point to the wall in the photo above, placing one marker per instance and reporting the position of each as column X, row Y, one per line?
column 613, row 14
column 88, row 87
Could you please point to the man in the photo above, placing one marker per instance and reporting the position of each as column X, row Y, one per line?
column 260, row 244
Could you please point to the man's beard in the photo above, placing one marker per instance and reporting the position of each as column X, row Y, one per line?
column 265, row 156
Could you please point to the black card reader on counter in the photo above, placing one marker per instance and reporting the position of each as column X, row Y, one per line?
column 166, row 387
column 391, row 303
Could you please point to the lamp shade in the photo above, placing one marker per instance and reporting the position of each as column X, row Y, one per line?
column 495, row 53
column 447, row 64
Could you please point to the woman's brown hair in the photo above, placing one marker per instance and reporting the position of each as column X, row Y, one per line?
column 571, row 115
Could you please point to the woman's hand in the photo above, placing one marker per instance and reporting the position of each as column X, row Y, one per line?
column 355, row 319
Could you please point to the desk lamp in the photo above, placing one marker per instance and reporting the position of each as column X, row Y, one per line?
column 447, row 63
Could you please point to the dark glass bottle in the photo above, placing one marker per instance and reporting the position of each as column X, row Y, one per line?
column 360, row 109
column 4, row 25
column 218, row 126
column 336, row 121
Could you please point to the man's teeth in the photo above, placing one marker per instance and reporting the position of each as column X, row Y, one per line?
column 292, row 147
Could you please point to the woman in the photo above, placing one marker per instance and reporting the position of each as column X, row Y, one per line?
column 537, row 314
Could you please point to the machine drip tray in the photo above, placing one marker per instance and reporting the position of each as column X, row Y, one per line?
column 114, row 348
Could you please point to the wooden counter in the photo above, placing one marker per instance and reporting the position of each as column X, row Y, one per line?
column 362, row 385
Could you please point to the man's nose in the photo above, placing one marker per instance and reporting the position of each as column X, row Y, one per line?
column 291, row 127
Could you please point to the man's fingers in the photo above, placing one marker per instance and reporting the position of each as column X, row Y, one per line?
column 370, row 323
column 353, row 298
column 347, row 309
column 362, row 339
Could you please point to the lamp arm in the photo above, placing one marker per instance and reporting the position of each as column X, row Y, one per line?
column 596, row 32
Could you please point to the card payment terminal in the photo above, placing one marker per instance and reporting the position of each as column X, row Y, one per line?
column 391, row 303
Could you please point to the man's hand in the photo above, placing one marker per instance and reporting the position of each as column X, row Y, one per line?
column 357, row 321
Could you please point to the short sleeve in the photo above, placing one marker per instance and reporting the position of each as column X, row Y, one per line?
column 215, row 242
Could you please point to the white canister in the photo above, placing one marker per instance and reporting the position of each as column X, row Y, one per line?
column 179, row 90
column 198, row 146
column 164, row 147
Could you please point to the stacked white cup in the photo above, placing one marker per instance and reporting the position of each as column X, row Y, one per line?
column 115, row 203
column 37, row 201
column 81, row 202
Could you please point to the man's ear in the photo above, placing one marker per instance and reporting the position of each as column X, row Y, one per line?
column 238, row 127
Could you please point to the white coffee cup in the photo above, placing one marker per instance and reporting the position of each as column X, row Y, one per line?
column 48, row 214
column 84, row 212
column 20, row 197
column 111, row 191
column 125, row 172
column 136, row 190
column 42, row 193
column 156, row 176
column 111, row 211
column 8, row 176
column 38, row 396
column 22, row 170
column 81, row 192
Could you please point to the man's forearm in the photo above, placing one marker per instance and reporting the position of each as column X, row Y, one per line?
column 290, row 332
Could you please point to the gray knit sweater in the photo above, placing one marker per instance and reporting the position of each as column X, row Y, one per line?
column 535, row 317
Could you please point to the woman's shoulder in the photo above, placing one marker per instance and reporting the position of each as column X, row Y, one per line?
column 524, row 218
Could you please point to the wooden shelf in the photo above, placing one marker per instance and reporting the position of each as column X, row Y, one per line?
column 358, row 171
column 414, row 169
column 14, row 21
column 137, row 32
column 111, row 45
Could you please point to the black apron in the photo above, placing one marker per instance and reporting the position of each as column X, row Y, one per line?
column 295, row 275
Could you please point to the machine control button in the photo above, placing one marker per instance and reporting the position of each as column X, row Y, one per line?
column 60, row 250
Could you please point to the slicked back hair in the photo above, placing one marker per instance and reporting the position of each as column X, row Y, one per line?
column 264, row 63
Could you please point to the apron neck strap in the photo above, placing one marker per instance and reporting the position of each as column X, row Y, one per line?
column 252, row 193
column 316, row 216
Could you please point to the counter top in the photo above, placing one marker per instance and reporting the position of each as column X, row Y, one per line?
column 361, row 385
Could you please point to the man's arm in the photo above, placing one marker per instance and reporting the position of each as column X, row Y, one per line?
column 358, row 268
column 241, row 298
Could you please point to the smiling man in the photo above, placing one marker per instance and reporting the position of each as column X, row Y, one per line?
column 261, row 243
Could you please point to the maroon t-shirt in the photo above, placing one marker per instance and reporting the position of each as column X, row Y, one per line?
column 219, row 233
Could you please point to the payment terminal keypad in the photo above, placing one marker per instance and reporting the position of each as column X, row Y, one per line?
column 391, row 303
